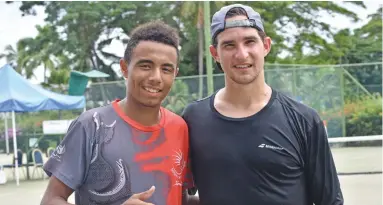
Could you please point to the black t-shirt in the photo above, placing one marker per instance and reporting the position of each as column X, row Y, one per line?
column 278, row 156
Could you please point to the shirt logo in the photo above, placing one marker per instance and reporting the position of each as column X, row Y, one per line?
column 59, row 151
column 270, row 147
column 179, row 165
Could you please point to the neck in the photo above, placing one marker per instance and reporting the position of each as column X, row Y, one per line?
column 246, row 95
column 144, row 115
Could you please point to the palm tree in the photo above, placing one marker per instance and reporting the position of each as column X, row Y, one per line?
column 18, row 58
column 194, row 10
column 28, row 58
column 10, row 55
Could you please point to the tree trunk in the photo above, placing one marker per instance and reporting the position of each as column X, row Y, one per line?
column 103, row 94
column 45, row 73
column 200, row 50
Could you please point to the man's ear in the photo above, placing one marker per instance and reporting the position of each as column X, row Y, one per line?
column 177, row 70
column 124, row 68
column 214, row 53
column 267, row 45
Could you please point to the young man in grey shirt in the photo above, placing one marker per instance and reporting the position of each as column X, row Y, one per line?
column 117, row 154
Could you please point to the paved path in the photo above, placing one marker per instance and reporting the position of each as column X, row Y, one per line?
column 357, row 190
column 358, row 159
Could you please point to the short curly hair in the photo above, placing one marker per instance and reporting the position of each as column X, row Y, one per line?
column 156, row 31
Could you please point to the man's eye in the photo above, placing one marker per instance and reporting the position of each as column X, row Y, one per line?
column 167, row 69
column 145, row 66
column 229, row 45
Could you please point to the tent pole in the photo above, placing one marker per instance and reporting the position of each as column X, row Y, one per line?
column 15, row 148
column 6, row 132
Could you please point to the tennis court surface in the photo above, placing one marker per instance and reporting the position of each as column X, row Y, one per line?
column 359, row 167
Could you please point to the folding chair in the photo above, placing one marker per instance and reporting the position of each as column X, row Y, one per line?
column 38, row 162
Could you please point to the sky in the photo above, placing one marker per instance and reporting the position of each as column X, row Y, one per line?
column 14, row 27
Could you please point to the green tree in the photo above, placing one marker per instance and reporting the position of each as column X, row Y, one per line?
column 10, row 55
column 81, row 26
column 363, row 45
column 366, row 45
column 18, row 58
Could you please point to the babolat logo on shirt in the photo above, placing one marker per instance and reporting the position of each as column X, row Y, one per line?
column 269, row 147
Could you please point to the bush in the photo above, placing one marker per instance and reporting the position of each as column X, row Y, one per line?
column 364, row 116
column 179, row 97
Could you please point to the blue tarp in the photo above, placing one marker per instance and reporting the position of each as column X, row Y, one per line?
column 19, row 95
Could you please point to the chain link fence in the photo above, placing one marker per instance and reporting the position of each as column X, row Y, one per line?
column 326, row 88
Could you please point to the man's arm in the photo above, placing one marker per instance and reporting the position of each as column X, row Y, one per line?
column 322, row 178
column 68, row 164
column 57, row 193
column 189, row 199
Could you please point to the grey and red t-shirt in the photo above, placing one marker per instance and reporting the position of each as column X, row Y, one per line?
column 106, row 157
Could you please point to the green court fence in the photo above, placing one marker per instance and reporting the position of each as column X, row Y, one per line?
column 330, row 89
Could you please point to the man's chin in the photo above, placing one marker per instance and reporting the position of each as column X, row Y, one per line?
column 151, row 104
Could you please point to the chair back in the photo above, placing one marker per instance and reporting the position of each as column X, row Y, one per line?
column 50, row 150
column 19, row 157
column 37, row 156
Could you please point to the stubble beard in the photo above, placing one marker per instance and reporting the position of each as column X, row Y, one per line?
column 246, row 79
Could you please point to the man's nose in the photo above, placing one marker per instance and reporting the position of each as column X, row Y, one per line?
column 155, row 76
column 241, row 53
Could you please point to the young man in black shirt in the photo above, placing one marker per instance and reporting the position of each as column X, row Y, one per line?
column 251, row 144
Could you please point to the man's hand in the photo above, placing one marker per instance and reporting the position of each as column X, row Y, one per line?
column 139, row 199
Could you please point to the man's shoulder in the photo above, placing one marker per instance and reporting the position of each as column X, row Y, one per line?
column 90, row 115
column 173, row 118
column 297, row 108
column 198, row 106
column 203, row 101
